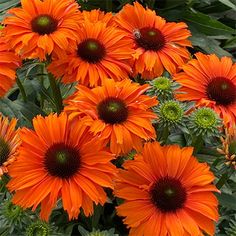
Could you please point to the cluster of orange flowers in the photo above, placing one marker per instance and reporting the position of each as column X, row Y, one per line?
column 67, row 156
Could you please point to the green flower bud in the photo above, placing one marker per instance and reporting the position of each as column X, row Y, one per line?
column 170, row 114
column 38, row 228
column 84, row 232
column 204, row 122
column 163, row 88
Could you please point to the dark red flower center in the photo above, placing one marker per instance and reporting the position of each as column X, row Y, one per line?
column 4, row 151
column 112, row 110
column 168, row 194
column 62, row 160
column 44, row 24
column 149, row 38
column 222, row 90
column 91, row 50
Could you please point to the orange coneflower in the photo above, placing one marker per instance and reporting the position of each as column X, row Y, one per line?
column 9, row 143
column 118, row 112
column 97, row 15
column 159, row 45
column 42, row 27
column 9, row 62
column 103, row 52
column 60, row 160
column 211, row 82
column 167, row 192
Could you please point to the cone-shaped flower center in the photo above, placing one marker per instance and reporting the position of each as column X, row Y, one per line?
column 38, row 229
column 62, row 160
column 150, row 39
column 112, row 110
column 205, row 118
column 222, row 90
column 171, row 111
column 162, row 83
column 44, row 24
column 168, row 194
column 91, row 50
column 4, row 151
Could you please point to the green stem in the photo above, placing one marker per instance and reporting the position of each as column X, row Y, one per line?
column 56, row 94
column 197, row 143
column 22, row 90
column 165, row 134
column 223, row 179
column 221, row 182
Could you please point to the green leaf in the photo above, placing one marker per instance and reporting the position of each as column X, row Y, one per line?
column 231, row 43
column 208, row 45
column 206, row 24
column 227, row 200
column 229, row 4
column 6, row 4
column 24, row 112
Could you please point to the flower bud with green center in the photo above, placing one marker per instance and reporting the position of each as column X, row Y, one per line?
column 38, row 228
column 163, row 88
column 204, row 122
column 170, row 114
column 13, row 217
column 84, row 232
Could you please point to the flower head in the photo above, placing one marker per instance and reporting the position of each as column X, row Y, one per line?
column 204, row 122
column 56, row 161
column 38, row 228
column 118, row 112
column 9, row 62
column 40, row 28
column 167, row 192
column 211, row 82
column 170, row 114
column 163, row 88
column 9, row 143
column 158, row 45
column 102, row 52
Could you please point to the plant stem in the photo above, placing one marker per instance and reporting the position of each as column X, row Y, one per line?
column 165, row 134
column 197, row 143
column 22, row 90
column 223, row 179
column 56, row 94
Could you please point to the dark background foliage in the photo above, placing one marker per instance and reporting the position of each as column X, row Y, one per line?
column 213, row 27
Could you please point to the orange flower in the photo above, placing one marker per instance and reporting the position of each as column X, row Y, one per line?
column 40, row 28
column 211, row 82
column 118, row 112
column 98, row 15
column 167, row 192
column 9, row 62
column 159, row 45
column 9, row 143
column 103, row 52
column 60, row 160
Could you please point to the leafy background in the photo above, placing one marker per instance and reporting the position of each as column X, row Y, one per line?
column 213, row 27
